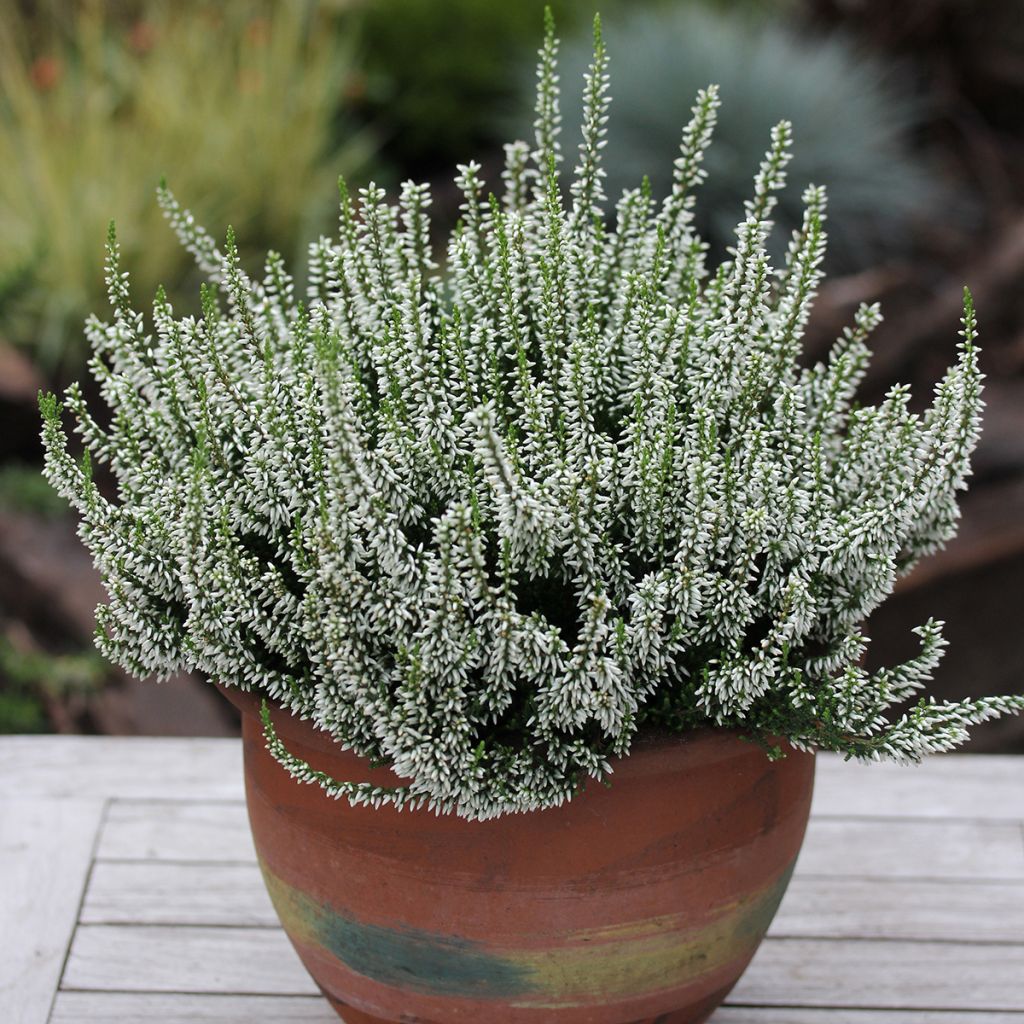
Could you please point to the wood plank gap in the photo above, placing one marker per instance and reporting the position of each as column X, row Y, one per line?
column 876, row 939
column 104, row 811
column 192, row 993
column 900, row 1012
column 729, row 1014
column 212, row 801
column 813, row 876
column 894, row 819
column 241, row 926
column 898, row 940
column 212, row 863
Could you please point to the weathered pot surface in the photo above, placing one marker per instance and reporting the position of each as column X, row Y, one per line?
column 641, row 903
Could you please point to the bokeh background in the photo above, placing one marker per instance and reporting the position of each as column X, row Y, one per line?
column 911, row 113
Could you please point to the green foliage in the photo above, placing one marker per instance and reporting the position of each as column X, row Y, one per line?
column 437, row 73
column 21, row 713
column 241, row 104
column 486, row 525
column 28, row 677
column 851, row 120
column 22, row 489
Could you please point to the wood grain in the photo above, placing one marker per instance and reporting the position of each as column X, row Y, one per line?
column 120, row 766
column 791, row 1015
column 196, row 831
column 886, row 848
column 160, row 893
column 232, row 895
column 945, row 786
column 871, row 974
column 45, row 849
column 786, row 972
column 965, row 786
column 952, row 911
column 232, row 961
column 155, row 1008
column 928, row 848
column 149, row 1008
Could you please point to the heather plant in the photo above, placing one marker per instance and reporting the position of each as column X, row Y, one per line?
column 486, row 526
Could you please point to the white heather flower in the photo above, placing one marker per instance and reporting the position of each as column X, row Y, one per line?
column 485, row 526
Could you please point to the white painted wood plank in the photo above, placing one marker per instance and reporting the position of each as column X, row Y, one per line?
column 45, row 848
column 786, row 972
column 173, row 894
column 156, row 1008
column 788, row 1015
column 233, row 895
column 947, row 785
column 943, row 786
column 902, row 909
column 882, row 975
column 144, row 830
column 121, row 766
column 236, row 961
column 929, row 848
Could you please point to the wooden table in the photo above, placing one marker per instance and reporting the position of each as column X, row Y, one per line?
column 129, row 893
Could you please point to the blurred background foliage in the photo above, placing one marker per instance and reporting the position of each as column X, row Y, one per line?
column 911, row 113
column 853, row 121
column 33, row 680
column 435, row 74
column 242, row 105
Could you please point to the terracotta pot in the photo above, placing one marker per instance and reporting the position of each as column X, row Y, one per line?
column 642, row 902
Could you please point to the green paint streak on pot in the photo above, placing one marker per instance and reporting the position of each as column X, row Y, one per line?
column 406, row 958
column 581, row 968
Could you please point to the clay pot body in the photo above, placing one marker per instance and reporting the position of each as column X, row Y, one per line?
column 642, row 902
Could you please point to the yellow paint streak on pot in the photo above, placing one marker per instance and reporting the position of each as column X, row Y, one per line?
column 625, row 960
